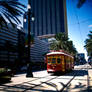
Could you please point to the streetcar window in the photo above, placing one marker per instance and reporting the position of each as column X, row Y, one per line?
column 58, row 60
column 49, row 60
column 53, row 60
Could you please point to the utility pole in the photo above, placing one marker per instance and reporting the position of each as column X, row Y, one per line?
column 29, row 66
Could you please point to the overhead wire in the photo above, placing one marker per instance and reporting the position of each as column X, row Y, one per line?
column 83, row 21
column 86, row 20
column 78, row 22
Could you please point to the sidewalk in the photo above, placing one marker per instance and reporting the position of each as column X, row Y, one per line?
column 43, row 82
column 90, row 78
column 39, row 83
column 81, row 84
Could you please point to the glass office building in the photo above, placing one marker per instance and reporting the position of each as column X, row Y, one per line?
column 50, row 17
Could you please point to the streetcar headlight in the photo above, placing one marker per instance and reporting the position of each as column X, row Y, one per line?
column 50, row 70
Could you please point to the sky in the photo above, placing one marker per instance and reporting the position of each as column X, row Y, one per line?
column 79, row 22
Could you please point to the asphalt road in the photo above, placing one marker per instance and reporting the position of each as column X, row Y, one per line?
column 78, row 80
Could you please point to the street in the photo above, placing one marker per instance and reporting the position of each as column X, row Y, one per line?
column 78, row 80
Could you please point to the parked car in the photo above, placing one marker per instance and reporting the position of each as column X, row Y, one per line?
column 5, row 74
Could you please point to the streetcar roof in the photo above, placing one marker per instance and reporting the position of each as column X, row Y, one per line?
column 59, row 53
column 55, row 53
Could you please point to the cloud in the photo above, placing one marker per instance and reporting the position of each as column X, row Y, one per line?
column 90, row 25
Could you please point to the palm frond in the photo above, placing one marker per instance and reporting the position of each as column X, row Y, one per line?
column 9, row 12
column 88, row 43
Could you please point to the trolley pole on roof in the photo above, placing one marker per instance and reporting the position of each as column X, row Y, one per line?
column 29, row 66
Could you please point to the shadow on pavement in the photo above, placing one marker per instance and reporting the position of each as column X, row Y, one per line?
column 3, row 81
column 77, row 73
column 77, row 88
column 29, row 86
column 80, row 86
column 72, row 73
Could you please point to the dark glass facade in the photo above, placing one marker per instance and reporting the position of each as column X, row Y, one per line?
column 11, row 46
column 50, row 17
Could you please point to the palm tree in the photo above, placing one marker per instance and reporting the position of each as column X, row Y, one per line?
column 62, row 42
column 71, row 49
column 88, row 44
column 54, row 45
column 80, row 3
column 9, row 12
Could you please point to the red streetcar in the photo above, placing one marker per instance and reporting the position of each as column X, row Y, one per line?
column 59, row 61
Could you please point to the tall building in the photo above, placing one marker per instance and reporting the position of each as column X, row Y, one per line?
column 50, row 17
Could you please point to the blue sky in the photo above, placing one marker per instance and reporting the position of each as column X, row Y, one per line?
column 79, row 22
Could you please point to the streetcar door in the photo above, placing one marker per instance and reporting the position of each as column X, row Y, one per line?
column 63, row 63
column 65, row 60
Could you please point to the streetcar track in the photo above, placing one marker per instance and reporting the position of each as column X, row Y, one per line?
column 67, row 84
column 28, row 82
column 71, row 81
column 37, row 78
column 35, row 85
column 88, row 79
column 17, row 86
column 41, row 83
column 47, row 81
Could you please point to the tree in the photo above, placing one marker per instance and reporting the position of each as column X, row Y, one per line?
column 88, row 44
column 9, row 12
column 54, row 45
column 71, row 48
column 62, row 42
column 80, row 3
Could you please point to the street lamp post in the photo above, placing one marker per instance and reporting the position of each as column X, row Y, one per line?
column 29, row 66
